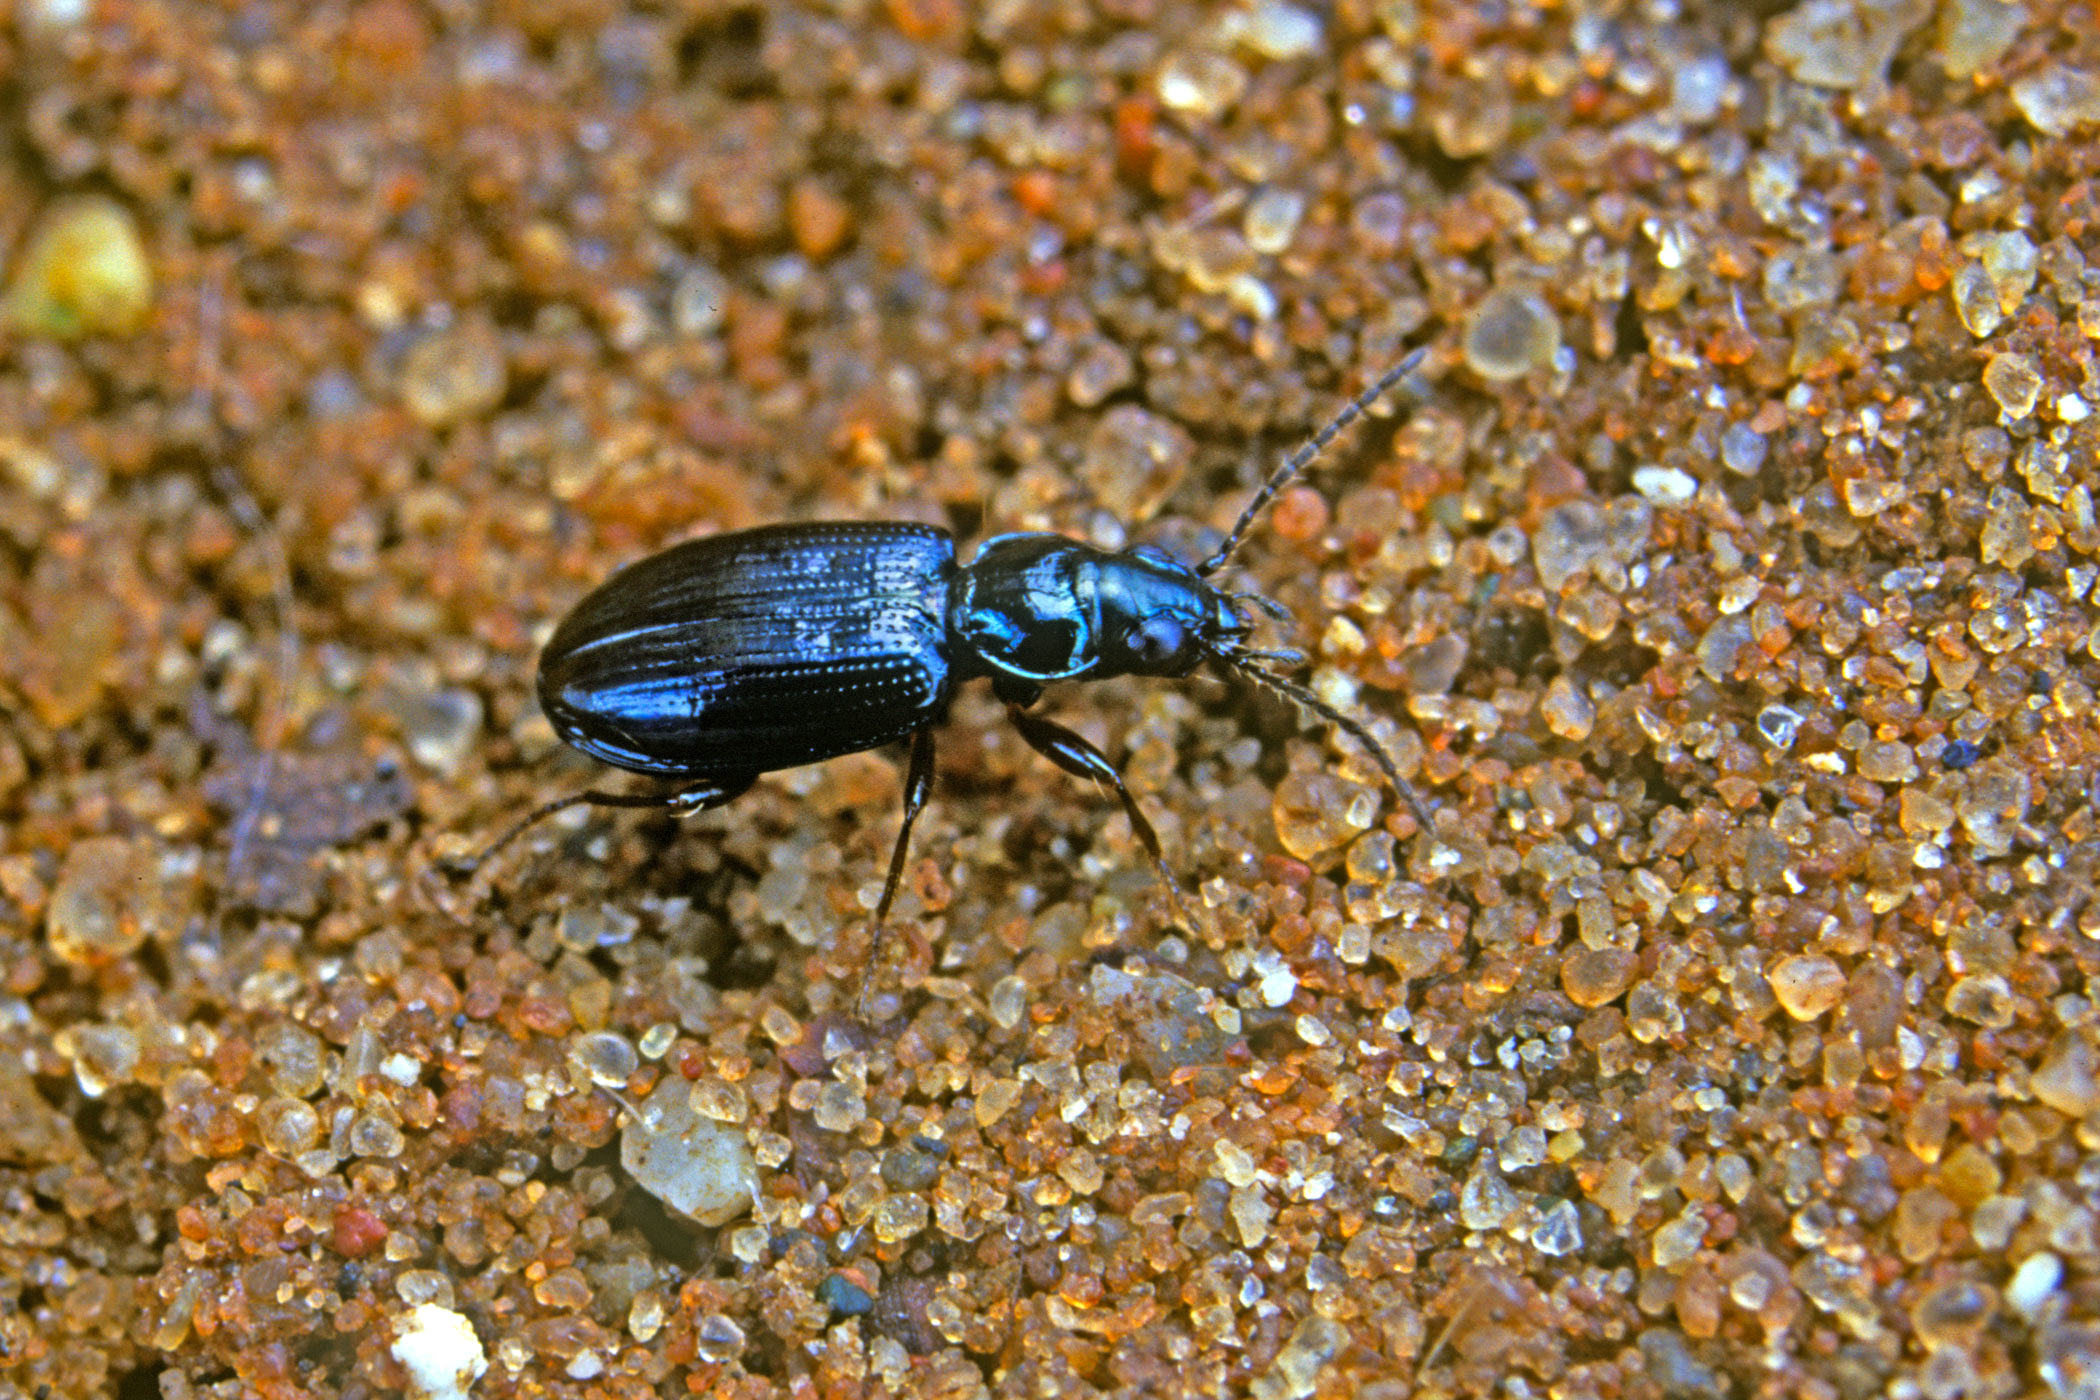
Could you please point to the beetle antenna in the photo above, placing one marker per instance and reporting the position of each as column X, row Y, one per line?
column 1348, row 724
column 1297, row 461
column 1283, row 656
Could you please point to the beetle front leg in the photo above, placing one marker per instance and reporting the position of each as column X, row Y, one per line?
column 918, row 781
column 1081, row 759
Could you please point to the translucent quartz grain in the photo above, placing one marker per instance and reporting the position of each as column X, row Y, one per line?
column 452, row 376
column 839, row 1108
column 996, row 1101
column 605, row 1058
column 289, row 1127
column 1316, row 812
column 1272, row 220
column 1511, row 333
column 1566, row 710
column 1807, row 985
column 2014, row 383
column 104, row 1056
column 2057, row 98
column 1976, row 300
column 1743, row 450
column 1986, row 1001
column 1103, row 368
column 1486, row 1201
column 2068, row 1079
column 95, row 914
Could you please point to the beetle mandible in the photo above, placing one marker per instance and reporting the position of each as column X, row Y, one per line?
column 739, row 654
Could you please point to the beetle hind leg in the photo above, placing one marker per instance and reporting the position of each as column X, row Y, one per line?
column 693, row 797
column 1081, row 759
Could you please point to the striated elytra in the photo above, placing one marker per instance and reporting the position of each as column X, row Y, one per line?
column 724, row 658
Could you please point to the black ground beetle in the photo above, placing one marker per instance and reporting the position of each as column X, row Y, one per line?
column 739, row 654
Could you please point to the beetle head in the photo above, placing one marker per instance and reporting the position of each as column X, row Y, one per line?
column 1159, row 617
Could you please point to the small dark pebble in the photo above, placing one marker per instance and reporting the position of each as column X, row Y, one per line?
column 1959, row 755
column 844, row 1297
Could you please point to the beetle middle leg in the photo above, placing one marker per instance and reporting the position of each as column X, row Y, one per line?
column 1081, row 759
column 684, row 801
column 918, row 781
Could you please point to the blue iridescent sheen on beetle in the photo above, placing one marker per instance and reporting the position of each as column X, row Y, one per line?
column 724, row 658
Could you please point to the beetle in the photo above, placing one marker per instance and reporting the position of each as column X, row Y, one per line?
column 739, row 654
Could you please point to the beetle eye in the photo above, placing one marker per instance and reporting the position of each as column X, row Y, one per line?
column 1157, row 641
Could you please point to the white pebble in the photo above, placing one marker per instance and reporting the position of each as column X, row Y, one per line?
column 440, row 1352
